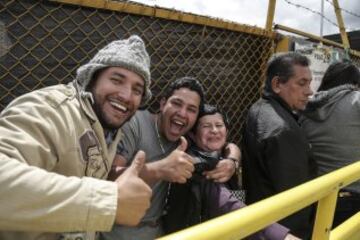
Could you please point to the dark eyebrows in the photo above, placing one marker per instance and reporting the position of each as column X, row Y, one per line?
column 306, row 79
column 119, row 75
column 142, row 84
column 194, row 108
column 181, row 101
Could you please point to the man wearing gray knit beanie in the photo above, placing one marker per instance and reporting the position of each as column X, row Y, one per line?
column 55, row 142
column 131, row 56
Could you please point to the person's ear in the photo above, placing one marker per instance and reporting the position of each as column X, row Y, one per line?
column 276, row 84
column 162, row 103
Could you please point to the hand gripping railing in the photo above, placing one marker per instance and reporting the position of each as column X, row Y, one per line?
column 244, row 222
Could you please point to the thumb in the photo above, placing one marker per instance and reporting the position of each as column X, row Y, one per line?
column 183, row 144
column 137, row 163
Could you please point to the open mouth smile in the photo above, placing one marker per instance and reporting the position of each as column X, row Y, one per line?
column 118, row 106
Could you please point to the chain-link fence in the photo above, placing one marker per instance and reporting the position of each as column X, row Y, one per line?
column 355, row 60
column 43, row 43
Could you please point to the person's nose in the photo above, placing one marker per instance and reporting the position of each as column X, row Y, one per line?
column 182, row 112
column 214, row 129
column 309, row 91
column 124, row 93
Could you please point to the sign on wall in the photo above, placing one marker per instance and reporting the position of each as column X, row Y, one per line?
column 321, row 57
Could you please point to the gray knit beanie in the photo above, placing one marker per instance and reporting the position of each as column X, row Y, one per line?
column 128, row 53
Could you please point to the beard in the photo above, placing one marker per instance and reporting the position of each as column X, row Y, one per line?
column 105, row 122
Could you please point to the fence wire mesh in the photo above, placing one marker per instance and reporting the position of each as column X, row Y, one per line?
column 43, row 43
column 355, row 60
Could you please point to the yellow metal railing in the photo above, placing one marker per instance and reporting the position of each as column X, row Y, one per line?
column 244, row 222
column 356, row 53
column 349, row 230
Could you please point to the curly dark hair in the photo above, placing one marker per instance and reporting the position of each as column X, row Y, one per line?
column 186, row 82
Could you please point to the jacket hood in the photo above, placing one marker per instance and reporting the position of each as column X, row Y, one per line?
column 324, row 102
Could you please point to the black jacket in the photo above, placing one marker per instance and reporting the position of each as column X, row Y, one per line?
column 190, row 203
column 276, row 157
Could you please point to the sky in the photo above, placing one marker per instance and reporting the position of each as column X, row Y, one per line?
column 254, row 12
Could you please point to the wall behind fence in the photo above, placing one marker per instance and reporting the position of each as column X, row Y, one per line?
column 43, row 43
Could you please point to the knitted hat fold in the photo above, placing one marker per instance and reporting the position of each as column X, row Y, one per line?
column 128, row 53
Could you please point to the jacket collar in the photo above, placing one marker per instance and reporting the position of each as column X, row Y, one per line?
column 201, row 153
column 86, row 100
column 274, row 97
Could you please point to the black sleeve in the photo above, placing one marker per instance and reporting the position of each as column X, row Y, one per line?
column 286, row 160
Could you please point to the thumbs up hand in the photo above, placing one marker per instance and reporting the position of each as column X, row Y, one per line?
column 133, row 193
column 178, row 166
column 183, row 144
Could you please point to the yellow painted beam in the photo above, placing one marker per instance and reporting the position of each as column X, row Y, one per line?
column 309, row 35
column 169, row 14
column 341, row 24
column 314, row 37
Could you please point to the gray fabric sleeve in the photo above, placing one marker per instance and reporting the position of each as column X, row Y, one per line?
column 129, row 145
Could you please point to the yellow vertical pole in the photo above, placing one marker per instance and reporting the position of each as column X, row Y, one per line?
column 344, row 38
column 268, row 27
column 270, row 15
column 324, row 217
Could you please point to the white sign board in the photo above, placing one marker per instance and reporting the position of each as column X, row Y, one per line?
column 320, row 61
column 321, row 57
